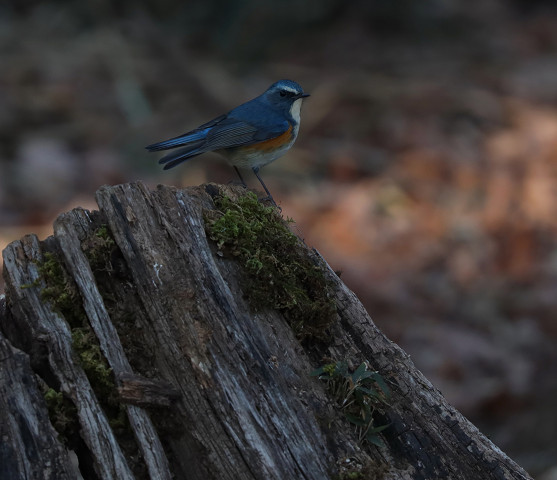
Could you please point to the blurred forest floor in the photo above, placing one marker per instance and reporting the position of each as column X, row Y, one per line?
column 425, row 169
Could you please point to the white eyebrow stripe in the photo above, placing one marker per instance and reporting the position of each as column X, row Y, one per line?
column 289, row 89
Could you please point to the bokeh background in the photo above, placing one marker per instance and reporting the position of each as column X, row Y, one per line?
column 425, row 169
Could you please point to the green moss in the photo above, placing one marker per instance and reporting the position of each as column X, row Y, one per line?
column 280, row 271
column 61, row 292
column 98, row 249
column 62, row 414
column 92, row 361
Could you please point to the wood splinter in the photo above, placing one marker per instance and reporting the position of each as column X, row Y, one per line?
column 144, row 392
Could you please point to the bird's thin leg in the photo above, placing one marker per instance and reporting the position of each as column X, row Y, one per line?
column 269, row 196
column 240, row 175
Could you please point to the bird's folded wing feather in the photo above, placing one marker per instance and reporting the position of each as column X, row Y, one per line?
column 234, row 132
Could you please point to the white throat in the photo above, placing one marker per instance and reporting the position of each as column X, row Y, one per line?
column 295, row 111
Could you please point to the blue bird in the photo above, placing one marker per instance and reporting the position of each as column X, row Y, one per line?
column 249, row 136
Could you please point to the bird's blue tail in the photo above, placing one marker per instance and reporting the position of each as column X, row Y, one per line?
column 193, row 145
column 179, row 156
column 185, row 139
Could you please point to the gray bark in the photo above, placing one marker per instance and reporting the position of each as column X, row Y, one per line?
column 210, row 388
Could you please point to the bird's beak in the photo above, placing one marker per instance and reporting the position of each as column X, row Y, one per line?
column 302, row 95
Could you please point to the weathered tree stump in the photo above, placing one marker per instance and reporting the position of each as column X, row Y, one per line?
column 137, row 332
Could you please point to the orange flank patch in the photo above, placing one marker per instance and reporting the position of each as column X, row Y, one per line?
column 274, row 143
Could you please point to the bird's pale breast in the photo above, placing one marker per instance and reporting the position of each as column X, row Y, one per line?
column 261, row 153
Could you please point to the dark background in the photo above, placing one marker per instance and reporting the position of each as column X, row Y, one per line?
column 425, row 169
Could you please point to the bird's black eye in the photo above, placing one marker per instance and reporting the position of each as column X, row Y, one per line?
column 282, row 93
